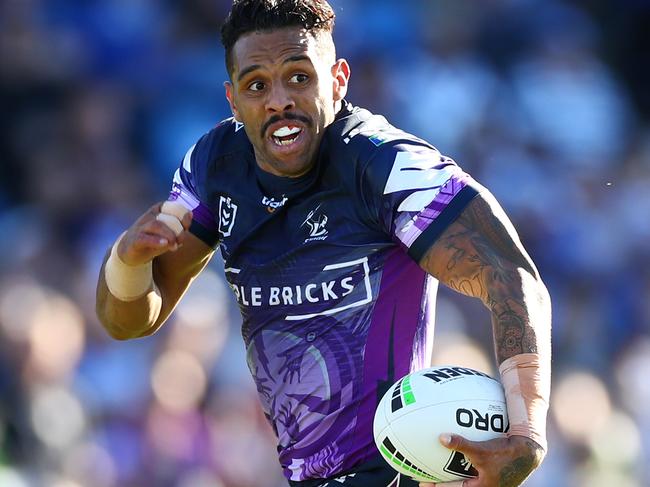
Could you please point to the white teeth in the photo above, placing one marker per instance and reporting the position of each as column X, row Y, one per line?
column 286, row 131
column 284, row 142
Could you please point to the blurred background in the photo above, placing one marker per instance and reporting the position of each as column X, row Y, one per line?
column 545, row 102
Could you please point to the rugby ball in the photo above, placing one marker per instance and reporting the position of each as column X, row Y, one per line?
column 424, row 404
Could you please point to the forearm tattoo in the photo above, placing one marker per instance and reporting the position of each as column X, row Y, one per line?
column 521, row 467
column 480, row 255
column 513, row 333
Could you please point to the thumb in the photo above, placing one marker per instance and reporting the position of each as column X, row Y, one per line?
column 457, row 442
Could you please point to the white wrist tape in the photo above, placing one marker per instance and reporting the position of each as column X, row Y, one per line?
column 127, row 282
column 171, row 221
column 174, row 208
column 526, row 380
column 171, row 214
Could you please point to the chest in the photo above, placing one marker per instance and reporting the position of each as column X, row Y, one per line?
column 257, row 229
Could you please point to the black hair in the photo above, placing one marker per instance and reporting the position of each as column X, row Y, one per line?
column 248, row 16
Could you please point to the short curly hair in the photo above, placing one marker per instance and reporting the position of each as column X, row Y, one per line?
column 262, row 15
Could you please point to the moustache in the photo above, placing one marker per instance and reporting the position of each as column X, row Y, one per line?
column 287, row 116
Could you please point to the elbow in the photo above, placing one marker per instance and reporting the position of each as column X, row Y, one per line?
column 521, row 286
column 122, row 323
column 118, row 333
column 528, row 283
column 541, row 291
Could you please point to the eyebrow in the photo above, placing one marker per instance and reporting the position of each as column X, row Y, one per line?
column 253, row 67
column 247, row 70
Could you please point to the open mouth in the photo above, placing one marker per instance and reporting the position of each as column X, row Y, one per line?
column 286, row 135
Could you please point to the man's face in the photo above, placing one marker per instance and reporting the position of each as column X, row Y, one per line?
column 286, row 88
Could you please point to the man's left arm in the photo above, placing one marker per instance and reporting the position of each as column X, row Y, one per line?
column 480, row 255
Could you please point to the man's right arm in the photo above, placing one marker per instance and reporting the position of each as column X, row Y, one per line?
column 175, row 258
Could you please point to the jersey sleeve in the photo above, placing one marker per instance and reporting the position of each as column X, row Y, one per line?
column 414, row 193
column 188, row 188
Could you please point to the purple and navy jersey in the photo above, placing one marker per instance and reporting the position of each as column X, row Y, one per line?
column 325, row 270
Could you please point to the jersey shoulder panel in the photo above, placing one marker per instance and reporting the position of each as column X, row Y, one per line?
column 365, row 144
column 368, row 134
column 209, row 162
column 225, row 142
column 408, row 189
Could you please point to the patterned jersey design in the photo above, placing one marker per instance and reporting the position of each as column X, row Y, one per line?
column 324, row 268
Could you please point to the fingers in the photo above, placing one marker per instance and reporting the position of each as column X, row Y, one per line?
column 174, row 208
column 156, row 233
column 459, row 443
column 175, row 220
column 152, row 240
column 172, row 222
column 485, row 456
column 466, row 447
column 141, row 244
column 175, row 216
column 161, row 229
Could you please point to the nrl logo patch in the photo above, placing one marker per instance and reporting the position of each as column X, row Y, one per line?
column 227, row 215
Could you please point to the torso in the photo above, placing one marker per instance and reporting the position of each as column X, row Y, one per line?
column 334, row 309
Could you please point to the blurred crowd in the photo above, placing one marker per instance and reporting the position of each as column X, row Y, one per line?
column 545, row 102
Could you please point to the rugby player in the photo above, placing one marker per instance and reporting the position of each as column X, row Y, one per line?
column 335, row 228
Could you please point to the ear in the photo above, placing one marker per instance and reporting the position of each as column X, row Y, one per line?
column 341, row 75
column 231, row 100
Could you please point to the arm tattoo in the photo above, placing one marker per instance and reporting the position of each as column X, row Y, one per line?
column 521, row 467
column 513, row 335
column 516, row 472
column 480, row 255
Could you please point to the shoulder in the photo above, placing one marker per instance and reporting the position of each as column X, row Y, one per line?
column 228, row 138
column 380, row 153
column 219, row 151
column 370, row 138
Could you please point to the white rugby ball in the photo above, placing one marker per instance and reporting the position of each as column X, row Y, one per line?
column 424, row 404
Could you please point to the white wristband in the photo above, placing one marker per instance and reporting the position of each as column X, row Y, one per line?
column 127, row 282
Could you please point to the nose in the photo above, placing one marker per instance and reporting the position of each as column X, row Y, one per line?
column 279, row 99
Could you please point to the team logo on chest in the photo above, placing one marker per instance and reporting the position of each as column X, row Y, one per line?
column 316, row 222
column 227, row 215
